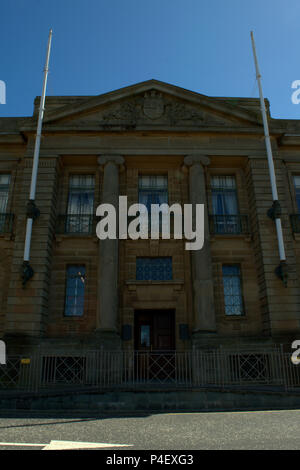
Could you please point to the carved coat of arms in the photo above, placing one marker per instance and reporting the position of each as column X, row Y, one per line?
column 153, row 105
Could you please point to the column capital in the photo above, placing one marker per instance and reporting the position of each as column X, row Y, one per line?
column 117, row 159
column 196, row 159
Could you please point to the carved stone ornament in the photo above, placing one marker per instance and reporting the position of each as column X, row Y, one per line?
column 125, row 112
column 178, row 112
column 153, row 105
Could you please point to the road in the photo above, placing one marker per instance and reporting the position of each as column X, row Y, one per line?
column 168, row 431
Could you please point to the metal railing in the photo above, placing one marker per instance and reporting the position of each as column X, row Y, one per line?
column 6, row 222
column 229, row 224
column 132, row 369
column 295, row 222
column 218, row 224
column 86, row 224
column 76, row 224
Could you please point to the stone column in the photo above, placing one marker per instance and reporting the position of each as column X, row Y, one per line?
column 204, row 312
column 107, row 286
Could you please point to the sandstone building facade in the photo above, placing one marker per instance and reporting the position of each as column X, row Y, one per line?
column 155, row 143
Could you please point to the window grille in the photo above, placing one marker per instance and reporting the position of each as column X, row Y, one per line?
column 232, row 290
column 154, row 269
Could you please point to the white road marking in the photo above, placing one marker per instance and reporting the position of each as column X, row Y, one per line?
column 65, row 445
column 68, row 445
column 18, row 444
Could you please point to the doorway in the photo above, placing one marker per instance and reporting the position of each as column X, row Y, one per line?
column 155, row 345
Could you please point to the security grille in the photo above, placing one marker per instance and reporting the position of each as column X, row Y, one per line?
column 154, row 269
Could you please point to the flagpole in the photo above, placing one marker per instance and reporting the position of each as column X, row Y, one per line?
column 32, row 211
column 275, row 211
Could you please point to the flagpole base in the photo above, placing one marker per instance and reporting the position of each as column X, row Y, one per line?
column 27, row 272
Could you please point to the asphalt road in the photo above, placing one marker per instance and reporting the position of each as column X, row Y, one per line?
column 169, row 431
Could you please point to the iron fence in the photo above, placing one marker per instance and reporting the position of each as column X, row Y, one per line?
column 6, row 222
column 83, row 224
column 229, row 224
column 131, row 369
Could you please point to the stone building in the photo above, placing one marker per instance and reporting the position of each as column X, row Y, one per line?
column 155, row 143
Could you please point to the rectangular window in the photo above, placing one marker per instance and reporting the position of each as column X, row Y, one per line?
column 297, row 191
column 80, row 208
column 225, row 205
column 154, row 269
column 75, row 290
column 4, row 192
column 153, row 190
column 233, row 298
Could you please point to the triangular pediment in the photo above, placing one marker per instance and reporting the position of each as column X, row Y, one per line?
column 150, row 104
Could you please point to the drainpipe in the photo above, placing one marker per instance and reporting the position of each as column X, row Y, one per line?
column 32, row 211
column 275, row 211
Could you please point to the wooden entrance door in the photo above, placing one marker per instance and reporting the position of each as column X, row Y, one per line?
column 155, row 344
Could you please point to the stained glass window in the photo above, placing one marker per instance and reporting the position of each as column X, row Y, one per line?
column 80, row 207
column 154, row 269
column 75, row 290
column 232, row 290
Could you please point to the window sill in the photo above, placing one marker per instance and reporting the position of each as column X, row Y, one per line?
column 176, row 284
column 171, row 281
column 230, row 236
column 296, row 236
column 66, row 236
column 6, row 236
column 235, row 317
column 73, row 317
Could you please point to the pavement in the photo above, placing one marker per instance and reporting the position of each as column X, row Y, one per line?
column 253, row 430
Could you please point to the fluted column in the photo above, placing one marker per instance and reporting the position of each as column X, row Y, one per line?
column 204, row 312
column 107, row 287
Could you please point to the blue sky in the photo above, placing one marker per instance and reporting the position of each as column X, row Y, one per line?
column 103, row 45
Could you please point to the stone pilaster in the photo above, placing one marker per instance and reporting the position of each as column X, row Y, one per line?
column 107, row 295
column 204, row 312
column 280, row 305
column 28, row 307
